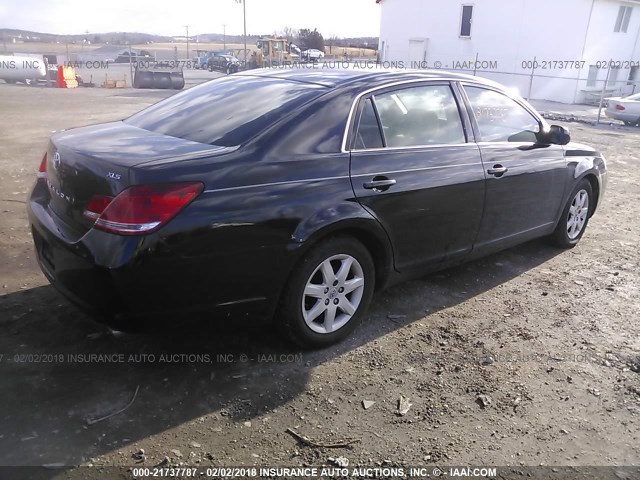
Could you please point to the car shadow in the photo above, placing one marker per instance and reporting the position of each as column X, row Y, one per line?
column 61, row 372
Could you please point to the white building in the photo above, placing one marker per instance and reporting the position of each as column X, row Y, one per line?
column 571, row 41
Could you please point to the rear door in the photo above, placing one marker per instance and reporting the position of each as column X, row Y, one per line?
column 414, row 168
column 525, row 180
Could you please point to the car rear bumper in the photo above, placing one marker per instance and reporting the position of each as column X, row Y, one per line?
column 69, row 267
column 623, row 116
column 110, row 276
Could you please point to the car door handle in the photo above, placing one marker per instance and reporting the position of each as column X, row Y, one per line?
column 380, row 184
column 497, row 170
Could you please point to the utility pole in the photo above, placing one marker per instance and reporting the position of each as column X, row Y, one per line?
column 130, row 66
column 224, row 35
column 244, row 15
column 187, row 27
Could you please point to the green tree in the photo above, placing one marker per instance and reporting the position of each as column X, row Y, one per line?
column 311, row 39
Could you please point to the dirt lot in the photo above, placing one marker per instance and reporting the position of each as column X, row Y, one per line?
column 562, row 386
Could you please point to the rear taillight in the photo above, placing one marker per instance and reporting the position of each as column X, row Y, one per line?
column 620, row 107
column 96, row 206
column 42, row 169
column 141, row 209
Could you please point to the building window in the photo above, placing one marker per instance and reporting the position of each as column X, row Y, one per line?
column 624, row 17
column 592, row 78
column 633, row 75
column 613, row 77
column 465, row 26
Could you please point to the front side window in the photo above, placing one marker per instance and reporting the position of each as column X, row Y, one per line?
column 500, row 118
column 426, row 115
column 465, row 26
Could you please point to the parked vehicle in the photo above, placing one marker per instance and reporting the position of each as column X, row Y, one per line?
column 134, row 57
column 626, row 109
column 223, row 63
column 273, row 51
column 201, row 59
column 312, row 55
column 301, row 192
column 26, row 69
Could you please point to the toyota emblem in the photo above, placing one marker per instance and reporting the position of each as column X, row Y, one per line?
column 56, row 161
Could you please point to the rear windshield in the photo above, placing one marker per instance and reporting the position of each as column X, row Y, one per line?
column 225, row 112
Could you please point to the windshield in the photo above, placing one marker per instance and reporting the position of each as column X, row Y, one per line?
column 226, row 112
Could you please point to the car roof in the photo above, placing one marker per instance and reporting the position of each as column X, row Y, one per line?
column 335, row 77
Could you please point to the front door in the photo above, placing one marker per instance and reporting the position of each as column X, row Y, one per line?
column 525, row 180
column 414, row 170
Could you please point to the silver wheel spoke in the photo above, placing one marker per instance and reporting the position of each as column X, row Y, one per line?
column 344, row 270
column 315, row 291
column 351, row 285
column 315, row 311
column 583, row 214
column 329, row 318
column 347, row 307
column 327, row 273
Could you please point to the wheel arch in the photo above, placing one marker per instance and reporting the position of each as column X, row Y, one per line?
column 595, row 188
column 365, row 230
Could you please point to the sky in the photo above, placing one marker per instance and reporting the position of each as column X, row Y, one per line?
column 343, row 18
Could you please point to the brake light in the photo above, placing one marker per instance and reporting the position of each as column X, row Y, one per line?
column 96, row 206
column 620, row 107
column 42, row 169
column 141, row 209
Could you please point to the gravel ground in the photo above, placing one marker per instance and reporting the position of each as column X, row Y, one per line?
column 527, row 357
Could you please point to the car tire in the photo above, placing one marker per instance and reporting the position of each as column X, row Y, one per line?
column 210, row 68
column 575, row 216
column 323, row 304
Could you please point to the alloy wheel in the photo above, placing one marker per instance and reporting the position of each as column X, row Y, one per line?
column 578, row 212
column 333, row 293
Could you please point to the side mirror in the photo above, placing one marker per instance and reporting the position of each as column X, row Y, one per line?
column 556, row 135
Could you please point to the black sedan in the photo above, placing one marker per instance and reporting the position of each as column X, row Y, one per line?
column 223, row 63
column 293, row 195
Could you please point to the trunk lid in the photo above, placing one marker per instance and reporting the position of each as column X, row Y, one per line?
column 96, row 160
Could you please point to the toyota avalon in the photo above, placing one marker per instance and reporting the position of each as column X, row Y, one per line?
column 293, row 195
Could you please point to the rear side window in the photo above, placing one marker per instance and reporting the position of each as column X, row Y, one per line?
column 225, row 112
column 426, row 115
column 368, row 134
column 500, row 118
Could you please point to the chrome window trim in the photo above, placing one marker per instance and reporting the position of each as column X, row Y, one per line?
column 382, row 87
